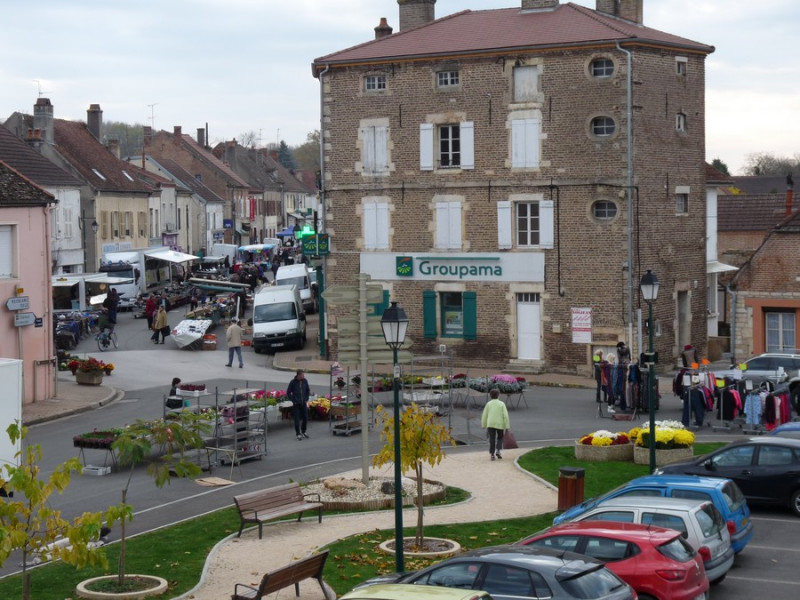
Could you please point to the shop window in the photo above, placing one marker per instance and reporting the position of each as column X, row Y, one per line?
column 449, row 314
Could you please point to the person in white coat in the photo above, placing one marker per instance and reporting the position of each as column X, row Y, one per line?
column 495, row 421
column 234, row 338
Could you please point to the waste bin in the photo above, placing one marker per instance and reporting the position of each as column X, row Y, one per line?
column 570, row 487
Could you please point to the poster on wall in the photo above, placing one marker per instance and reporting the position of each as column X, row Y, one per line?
column 581, row 325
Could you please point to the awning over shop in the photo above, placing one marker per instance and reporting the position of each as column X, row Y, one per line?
column 714, row 266
column 172, row 256
column 242, row 232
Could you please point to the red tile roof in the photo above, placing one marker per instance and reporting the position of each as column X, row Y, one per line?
column 760, row 212
column 17, row 190
column 498, row 30
column 19, row 155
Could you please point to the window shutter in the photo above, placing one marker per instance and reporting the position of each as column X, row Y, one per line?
column 68, row 221
column 546, row 224
column 469, row 301
column 429, row 314
column 532, row 142
column 526, row 83
column 368, row 143
column 104, row 224
column 524, row 143
column 6, row 252
column 426, row 147
column 454, row 225
column 54, row 217
column 369, row 222
column 382, row 226
column 517, row 143
column 504, row 225
column 467, row 129
column 381, row 150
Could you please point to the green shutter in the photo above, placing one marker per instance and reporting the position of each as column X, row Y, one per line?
column 429, row 314
column 470, row 306
column 379, row 307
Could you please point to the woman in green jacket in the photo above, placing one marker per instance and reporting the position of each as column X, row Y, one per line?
column 495, row 420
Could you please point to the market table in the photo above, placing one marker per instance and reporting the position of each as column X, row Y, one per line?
column 189, row 333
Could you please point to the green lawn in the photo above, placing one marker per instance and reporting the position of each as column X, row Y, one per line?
column 178, row 553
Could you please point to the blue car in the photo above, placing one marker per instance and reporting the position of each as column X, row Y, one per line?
column 723, row 493
column 790, row 430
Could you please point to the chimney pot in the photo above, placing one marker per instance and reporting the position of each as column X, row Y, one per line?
column 177, row 130
column 630, row 10
column 538, row 4
column 201, row 136
column 43, row 119
column 94, row 120
column 383, row 29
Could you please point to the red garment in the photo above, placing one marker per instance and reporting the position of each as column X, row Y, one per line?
column 150, row 307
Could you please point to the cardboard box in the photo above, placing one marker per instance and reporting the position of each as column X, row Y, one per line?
column 96, row 471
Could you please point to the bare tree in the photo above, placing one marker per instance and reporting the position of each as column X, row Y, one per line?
column 765, row 163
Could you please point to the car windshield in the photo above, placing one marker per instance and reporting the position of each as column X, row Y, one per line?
column 269, row 313
column 591, row 584
column 300, row 282
column 710, row 520
column 677, row 549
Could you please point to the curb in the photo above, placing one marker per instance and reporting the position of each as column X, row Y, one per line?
column 113, row 396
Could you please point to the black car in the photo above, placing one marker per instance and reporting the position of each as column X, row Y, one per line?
column 766, row 469
column 521, row 573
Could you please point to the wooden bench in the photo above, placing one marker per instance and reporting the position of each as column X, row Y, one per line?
column 292, row 573
column 280, row 501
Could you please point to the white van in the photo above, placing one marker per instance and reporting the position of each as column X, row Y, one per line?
column 298, row 275
column 279, row 320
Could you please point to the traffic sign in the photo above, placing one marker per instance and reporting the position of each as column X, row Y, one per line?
column 18, row 303
column 350, row 325
column 341, row 295
column 22, row 318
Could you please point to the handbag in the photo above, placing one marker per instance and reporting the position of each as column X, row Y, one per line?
column 509, row 440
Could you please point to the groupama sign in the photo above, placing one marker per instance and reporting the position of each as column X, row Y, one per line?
column 497, row 267
column 446, row 268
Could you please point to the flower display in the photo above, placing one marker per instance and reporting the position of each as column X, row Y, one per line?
column 88, row 365
column 192, row 387
column 319, row 407
column 605, row 438
column 505, row 384
column 669, row 435
column 96, row 439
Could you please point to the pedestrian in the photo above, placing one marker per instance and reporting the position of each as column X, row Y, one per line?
column 173, row 390
column 193, row 299
column 234, row 338
column 173, row 399
column 598, row 375
column 150, row 308
column 298, row 392
column 160, row 325
column 495, row 421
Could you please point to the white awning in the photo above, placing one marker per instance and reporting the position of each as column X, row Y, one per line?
column 256, row 247
column 172, row 256
column 714, row 266
column 72, row 279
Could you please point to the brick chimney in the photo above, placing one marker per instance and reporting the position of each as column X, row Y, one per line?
column 789, row 194
column 113, row 146
column 383, row 29
column 630, row 10
column 94, row 120
column 177, row 131
column 147, row 134
column 201, row 137
column 415, row 12
column 537, row 4
column 43, row 119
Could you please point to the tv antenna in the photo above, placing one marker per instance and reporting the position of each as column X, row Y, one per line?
column 39, row 87
column 152, row 116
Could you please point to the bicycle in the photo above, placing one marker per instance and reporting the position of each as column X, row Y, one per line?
column 106, row 338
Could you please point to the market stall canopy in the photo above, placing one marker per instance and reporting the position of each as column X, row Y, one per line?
column 256, row 248
column 172, row 256
column 72, row 279
column 288, row 232
column 714, row 266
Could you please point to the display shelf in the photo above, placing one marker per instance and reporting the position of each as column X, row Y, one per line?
column 344, row 416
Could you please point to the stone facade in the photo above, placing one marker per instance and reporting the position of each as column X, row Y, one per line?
column 586, row 265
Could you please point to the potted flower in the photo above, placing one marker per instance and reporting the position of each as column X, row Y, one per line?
column 96, row 439
column 603, row 446
column 88, row 371
column 673, row 443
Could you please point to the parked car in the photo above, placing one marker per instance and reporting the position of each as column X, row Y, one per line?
column 775, row 367
column 521, row 572
column 698, row 521
column 766, row 469
column 656, row 562
column 787, row 430
column 724, row 493
column 403, row 591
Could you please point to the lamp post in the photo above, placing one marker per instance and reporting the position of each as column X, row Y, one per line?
column 649, row 288
column 395, row 324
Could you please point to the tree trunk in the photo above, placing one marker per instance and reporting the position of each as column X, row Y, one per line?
column 419, row 536
column 121, row 569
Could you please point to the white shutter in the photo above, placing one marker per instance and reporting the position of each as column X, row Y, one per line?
column 382, row 226
column 368, row 151
column 426, row 147
column 531, row 142
column 54, row 215
column 68, row 219
column 454, row 225
column 546, row 224
column 517, row 143
column 524, row 143
column 381, row 149
column 504, row 224
column 370, row 230
column 6, row 252
column 467, row 145
column 526, row 83
column 442, row 228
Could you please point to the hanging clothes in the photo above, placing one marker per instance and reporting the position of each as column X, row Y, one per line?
column 752, row 408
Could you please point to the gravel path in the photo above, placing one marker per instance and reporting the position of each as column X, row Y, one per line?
column 500, row 489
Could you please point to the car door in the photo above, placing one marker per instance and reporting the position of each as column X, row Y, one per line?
column 775, row 474
column 735, row 463
column 507, row 582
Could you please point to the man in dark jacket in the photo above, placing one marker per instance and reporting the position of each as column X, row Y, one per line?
column 298, row 392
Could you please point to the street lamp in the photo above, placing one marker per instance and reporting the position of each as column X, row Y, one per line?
column 394, row 323
column 649, row 288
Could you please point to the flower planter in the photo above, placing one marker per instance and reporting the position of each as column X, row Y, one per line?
column 84, row 378
column 641, row 455
column 617, row 452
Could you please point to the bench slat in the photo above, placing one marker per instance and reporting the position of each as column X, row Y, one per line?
column 278, row 579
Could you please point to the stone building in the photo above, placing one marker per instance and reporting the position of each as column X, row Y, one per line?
column 509, row 175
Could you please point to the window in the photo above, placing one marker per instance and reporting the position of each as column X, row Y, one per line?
column 680, row 66
column 128, row 223
column 524, row 143
column 505, row 580
column 667, row 521
column 775, row 455
column 459, row 575
column 374, row 83
column 7, row 252
column 603, row 126
column 448, row 225
column 604, row 210
column 449, row 314
column 681, row 203
column 526, row 84
column 606, row 549
column 452, row 316
column 780, row 328
column 602, row 67
column 375, row 225
column 447, row 78
column 374, row 149
column 559, row 542
column 453, row 147
column 525, row 222
column 680, row 122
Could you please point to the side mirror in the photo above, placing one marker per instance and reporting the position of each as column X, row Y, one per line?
column 709, row 465
column 302, row 316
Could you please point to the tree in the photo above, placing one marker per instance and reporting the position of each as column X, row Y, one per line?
column 249, row 139
column 163, row 445
column 285, row 156
column 131, row 137
column 720, row 166
column 30, row 525
column 422, row 439
column 307, row 154
column 764, row 163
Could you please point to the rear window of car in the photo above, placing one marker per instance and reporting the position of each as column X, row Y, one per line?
column 733, row 496
column 668, row 521
column 710, row 520
column 677, row 549
column 691, row 494
column 594, row 584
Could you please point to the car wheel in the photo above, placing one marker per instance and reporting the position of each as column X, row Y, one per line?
column 794, row 503
column 646, row 597
column 256, row 350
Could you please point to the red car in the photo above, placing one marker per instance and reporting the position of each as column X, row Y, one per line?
column 658, row 563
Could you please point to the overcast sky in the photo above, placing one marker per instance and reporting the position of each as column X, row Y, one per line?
column 245, row 65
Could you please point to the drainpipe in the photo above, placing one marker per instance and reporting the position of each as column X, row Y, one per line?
column 629, row 100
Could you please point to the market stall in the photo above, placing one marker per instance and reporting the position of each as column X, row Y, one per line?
column 190, row 333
